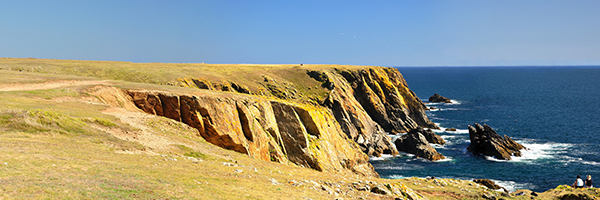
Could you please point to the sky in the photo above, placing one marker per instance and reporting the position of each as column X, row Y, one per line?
column 384, row 33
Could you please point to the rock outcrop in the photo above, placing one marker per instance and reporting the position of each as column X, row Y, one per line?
column 488, row 183
column 263, row 129
column 370, row 102
column 431, row 136
column 415, row 143
column 485, row 141
column 284, row 123
column 439, row 98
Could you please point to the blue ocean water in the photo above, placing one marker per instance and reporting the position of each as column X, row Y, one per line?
column 553, row 111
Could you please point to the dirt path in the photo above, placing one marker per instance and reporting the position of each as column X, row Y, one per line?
column 47, row 85
column 145, row 136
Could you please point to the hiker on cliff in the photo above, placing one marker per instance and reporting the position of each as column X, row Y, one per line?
column 588, row 182
column 578, row 182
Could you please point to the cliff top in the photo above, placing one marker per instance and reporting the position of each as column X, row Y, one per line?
column 286, row 81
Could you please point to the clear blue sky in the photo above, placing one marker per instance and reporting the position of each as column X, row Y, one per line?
column 387, row 33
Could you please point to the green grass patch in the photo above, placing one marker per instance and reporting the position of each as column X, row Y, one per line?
column 62, row 123
column 196, row 155
column 102, row 121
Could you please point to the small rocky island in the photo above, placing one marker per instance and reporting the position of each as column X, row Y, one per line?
column 485, row 141
column 439, row 98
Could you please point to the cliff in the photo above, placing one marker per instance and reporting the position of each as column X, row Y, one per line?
column 334, row 134
column 329, row 118
column 366, row 102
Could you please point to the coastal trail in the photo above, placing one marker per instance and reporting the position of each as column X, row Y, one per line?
column 47, row 85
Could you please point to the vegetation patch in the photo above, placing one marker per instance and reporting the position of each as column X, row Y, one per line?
column 196, row 154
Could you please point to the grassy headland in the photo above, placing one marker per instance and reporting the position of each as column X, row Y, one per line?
column 57, row 140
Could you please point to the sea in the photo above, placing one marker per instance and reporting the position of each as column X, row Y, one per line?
column 553, row 111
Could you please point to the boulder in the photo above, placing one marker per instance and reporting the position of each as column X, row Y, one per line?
column 415, row 143
column 485, row 141
column 439, row 98
column 451, row 129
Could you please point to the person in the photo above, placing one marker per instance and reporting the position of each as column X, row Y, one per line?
column 588, row 182
column 578, row 183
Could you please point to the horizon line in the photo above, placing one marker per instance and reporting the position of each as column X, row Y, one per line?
column 395, row 66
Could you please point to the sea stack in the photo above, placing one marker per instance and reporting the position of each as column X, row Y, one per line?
column 415, row 142
column 439, row 98
column 485, row 141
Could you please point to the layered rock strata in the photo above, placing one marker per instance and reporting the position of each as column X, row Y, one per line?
column 370, row 102
column 366, row 102
column 263, row 129
column 485, row 141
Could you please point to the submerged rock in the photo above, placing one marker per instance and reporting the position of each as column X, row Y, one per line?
column 415, row 143
column 439, row 98
column 485, row 141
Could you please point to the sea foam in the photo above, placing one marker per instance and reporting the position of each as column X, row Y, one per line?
column 536, row 151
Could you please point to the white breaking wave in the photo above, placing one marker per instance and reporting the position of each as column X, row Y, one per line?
column 591, row 163
column 437, row 146
column 445, row 137
column 537, row 151
column 383, row 157
column 513, row 186
column 447, row 159
column 452, row 102
column 443, row 130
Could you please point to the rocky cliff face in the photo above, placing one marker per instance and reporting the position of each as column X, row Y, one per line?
column 336, row 134
column 264, row 129
column 370, row 102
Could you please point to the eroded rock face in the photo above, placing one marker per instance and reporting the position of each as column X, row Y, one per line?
column 263, row 129
column 485, row 141
column 439, row 98
column 367, row 103
column 415, row 143
column 335, row 134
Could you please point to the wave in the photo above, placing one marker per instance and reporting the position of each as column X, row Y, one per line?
column 567, row 160
column 447, row 159
column 591, row 163
column 512, row 186
column 437, row 146
column 383, row 157
column 537, row 151
column 452, row 102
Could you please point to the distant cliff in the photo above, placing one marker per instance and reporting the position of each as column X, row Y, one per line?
column 279, row 122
